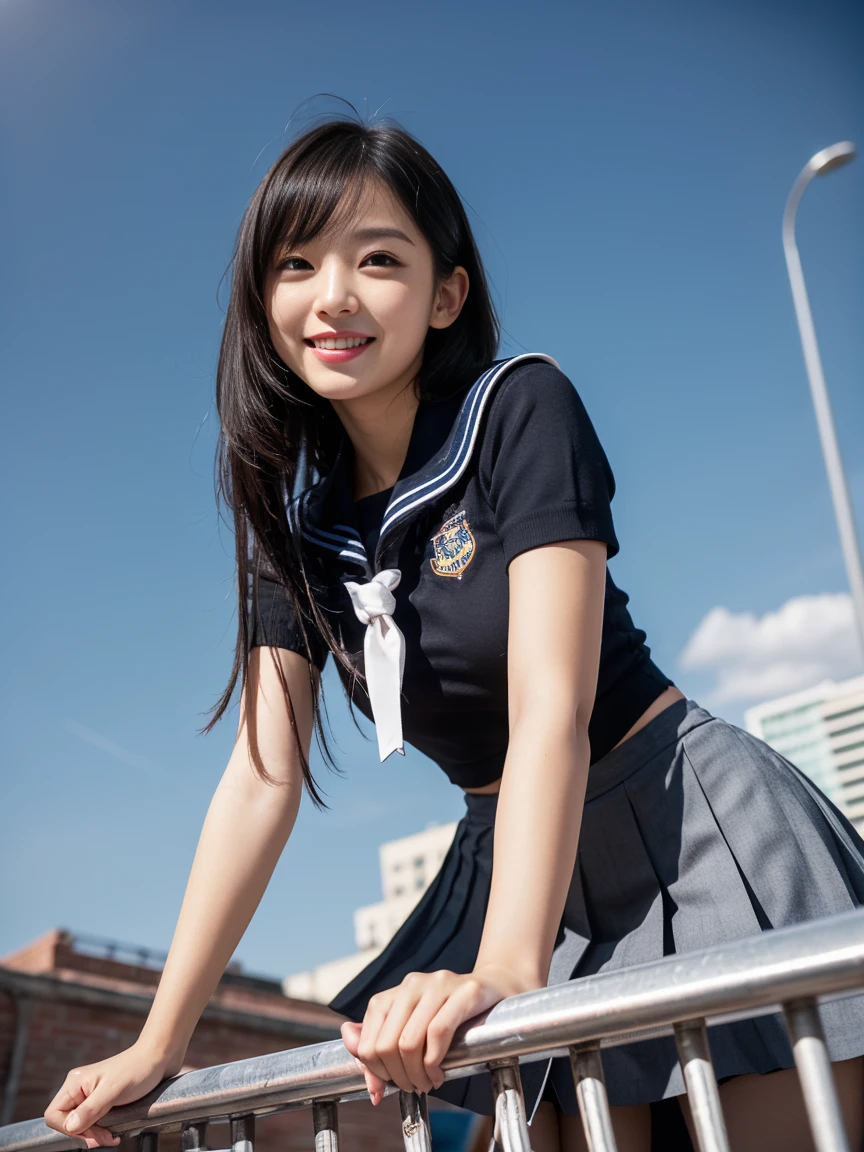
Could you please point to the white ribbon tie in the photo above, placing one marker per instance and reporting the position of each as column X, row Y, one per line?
column 384, row 653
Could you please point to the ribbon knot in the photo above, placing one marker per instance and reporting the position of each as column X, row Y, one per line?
column 373, row 599
column 384, row 654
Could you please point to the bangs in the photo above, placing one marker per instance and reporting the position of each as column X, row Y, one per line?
column 321, row 187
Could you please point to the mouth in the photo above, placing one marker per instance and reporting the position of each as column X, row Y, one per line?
column 338, row 343
column 334, row 349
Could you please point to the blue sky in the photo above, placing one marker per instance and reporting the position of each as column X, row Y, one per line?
column 625, row 165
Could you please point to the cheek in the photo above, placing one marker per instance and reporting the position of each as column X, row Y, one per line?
column 286, row 318
column 403, row 311
column 283, row 308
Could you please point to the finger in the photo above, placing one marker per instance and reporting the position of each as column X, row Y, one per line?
column 91, row 1110
column 98, row 1137
column 414, row 1039
column 375, row 1086
column 373, row 1021
column 90, row 1142
column 390, row 1044
column 70, row 1095
column 466, row 1001
column 351, row 1039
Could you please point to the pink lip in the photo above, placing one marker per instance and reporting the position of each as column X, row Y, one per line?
column 338, row 355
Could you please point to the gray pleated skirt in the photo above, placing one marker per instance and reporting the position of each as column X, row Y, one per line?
column 694, row 833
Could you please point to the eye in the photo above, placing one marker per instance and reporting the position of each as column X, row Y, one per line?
column 293, row 264
column 382, row 260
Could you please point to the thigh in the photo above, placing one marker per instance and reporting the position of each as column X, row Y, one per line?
column 768, row 1111
column 544, row 1134
column 632, row 1127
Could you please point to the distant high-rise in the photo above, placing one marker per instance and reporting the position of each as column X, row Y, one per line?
column 821, row 730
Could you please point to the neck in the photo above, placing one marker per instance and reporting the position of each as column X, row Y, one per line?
column 379, row 427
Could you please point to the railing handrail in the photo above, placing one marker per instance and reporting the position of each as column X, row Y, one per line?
column 742, row 978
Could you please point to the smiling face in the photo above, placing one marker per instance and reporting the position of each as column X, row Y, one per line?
column 349, row 310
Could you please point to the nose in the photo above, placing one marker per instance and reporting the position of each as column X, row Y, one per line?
column 336, row 294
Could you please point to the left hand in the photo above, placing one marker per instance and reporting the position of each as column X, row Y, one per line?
column 407, row 1030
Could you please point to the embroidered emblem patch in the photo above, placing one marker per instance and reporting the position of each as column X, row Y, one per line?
column 454, row 546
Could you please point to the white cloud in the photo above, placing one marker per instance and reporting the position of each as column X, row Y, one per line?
column 807, row 640
column 97, row 740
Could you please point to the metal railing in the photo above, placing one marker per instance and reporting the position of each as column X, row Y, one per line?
column 788, row 969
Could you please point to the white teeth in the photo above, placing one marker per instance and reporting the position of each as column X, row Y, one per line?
column 333, row 343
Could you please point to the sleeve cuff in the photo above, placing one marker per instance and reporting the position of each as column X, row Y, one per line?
column 551, row 525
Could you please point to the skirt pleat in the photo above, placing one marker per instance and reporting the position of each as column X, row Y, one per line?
column 694, row 833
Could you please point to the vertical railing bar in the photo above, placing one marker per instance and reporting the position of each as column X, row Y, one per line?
column 590, row 1085
column 415, row 1122
column 325, row 1121
column 703, row 1095
column 511, row 1124
column 148, row 1142
column 193, row 1137
column 817, row 1079
column 243, row 1133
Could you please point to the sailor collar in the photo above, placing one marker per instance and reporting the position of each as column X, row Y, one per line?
column 443, row 440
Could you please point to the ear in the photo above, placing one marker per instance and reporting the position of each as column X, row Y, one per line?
column 449, row 298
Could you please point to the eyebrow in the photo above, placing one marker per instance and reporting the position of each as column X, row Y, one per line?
column 365, row 235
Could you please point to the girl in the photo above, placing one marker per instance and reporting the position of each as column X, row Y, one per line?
column 440, row 523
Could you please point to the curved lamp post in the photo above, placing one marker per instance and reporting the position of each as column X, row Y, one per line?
column 825, row 161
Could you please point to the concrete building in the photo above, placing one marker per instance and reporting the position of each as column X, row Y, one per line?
column 408, row 866
column 821, row 730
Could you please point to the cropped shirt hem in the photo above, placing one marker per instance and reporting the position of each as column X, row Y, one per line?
column 617, row 711
column 475, row 775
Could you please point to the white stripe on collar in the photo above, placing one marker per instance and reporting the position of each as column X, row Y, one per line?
column 477, row 399
column 348, row 547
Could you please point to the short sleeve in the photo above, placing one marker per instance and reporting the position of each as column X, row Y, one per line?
column 544, row 470
column 275, row 624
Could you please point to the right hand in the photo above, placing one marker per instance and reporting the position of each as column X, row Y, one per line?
column 90, row 1092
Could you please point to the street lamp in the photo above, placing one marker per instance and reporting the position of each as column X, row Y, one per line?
column 825, row 161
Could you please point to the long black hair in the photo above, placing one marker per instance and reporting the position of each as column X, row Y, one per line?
column 277, row 436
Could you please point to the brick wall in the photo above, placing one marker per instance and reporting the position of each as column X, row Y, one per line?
column 79, row 1016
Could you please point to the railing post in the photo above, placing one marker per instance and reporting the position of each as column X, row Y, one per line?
column 817, row 1079
column 193, row 1137
column 148, row 1142
column 511, row 1125
column 415, row 1122
column 587, row 1068
column 243, row 1133
column 325, row 1121
column 702, row 1092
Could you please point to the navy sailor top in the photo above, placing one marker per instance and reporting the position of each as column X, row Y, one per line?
column 510, row 463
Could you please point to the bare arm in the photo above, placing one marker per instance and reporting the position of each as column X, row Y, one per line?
column 556, row 616
column 245, row 830
column 554, row 630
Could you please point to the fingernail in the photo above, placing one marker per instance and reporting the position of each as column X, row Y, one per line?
column 72, row 1122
